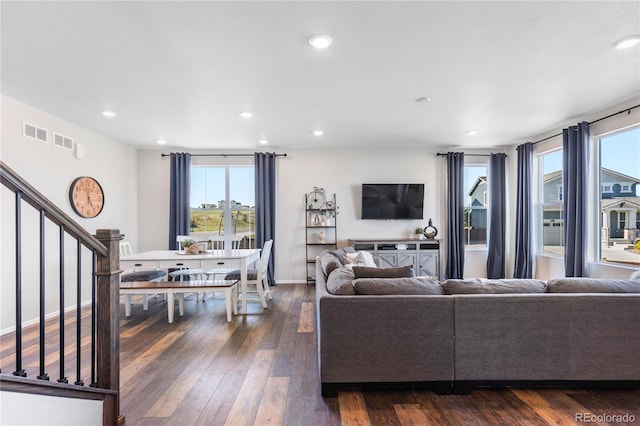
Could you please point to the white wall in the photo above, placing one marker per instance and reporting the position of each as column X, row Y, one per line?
column 51, row 170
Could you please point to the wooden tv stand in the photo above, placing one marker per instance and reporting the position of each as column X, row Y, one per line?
column 424, row 255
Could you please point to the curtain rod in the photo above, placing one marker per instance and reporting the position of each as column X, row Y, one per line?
column 222, row 155
column 628, row 111
column 444, row 154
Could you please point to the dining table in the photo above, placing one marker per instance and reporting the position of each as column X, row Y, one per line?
column 177, row 259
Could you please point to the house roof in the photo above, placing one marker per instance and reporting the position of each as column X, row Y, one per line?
column 621, row 201
column 621, row 176
column 479, row 180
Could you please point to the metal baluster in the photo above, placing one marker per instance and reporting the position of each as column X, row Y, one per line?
column 19, row 370
column 62, row 378
column 43, row 375
column 78, row 313
column 93, row 320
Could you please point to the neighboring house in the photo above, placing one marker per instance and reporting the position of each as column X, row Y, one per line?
column 620, row 207
column 476, row 212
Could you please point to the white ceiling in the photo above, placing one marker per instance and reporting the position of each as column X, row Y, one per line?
column 181, row 71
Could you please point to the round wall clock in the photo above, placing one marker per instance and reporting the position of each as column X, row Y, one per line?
column 86, row 197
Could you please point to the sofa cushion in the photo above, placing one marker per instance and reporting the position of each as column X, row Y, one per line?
column 635, row 275
column 329, row 262
column 369, row 272
column 340, row 282
column 388, row 286
column 147, row 275
column 493, row 286
column 360, row 258
column 592, row 285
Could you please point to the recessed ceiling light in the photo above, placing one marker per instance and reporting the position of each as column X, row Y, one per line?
column 318, row 132
column 423, row 99
column 627, row 42
column 109, row 114
column 246, row 114
column 263, row 141
column 320, row 41
column 161, row 142
column 472, row 132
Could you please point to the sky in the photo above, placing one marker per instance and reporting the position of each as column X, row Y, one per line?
column 208, row 185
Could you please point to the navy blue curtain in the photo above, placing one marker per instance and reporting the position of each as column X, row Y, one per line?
column 497, row 218
column 523, row 267
column 575, row 143
column 265, row 171
column 455, row 211
column 180, row 186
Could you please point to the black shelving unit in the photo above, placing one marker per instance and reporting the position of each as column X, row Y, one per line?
column 321, row 232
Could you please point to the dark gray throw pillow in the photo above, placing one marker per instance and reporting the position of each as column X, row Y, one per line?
column 398, row 272
column 329, row 262
column 397, row 286
column 493, row 286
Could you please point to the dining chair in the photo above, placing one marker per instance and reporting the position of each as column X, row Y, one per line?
column 182, row 273
column 221, row 242
column 257, row 277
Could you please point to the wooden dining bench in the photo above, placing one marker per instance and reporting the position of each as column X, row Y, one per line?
column 173, row 288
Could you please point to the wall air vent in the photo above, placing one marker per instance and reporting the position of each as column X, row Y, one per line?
column 35, row 132
column 62, row 141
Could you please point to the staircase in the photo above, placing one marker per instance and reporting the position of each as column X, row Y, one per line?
column 85, row 342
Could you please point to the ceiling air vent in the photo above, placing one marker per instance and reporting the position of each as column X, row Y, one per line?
column 62, row 141
column 34, row 132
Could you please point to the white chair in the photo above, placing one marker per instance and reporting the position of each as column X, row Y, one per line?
column 257, row 277
column 222, row 242
column 125, row 249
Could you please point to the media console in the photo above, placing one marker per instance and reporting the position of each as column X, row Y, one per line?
column 424, row 255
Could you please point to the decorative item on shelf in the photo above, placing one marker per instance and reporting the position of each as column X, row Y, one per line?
column 316, row 199
column 316, row 220
column 190, row 247
column 321, row 237
column 418, row 233
column 430, row 231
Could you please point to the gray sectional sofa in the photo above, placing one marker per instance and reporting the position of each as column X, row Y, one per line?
column 461, row 334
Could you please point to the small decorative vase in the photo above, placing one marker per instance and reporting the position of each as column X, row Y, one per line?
column 321, row 237
column 430, row 231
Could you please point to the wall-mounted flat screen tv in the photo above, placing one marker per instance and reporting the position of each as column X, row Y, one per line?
column 392, row 200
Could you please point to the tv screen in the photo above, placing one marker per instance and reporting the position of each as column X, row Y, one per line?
column 392, row 200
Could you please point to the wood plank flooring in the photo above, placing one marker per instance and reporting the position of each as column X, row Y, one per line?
column 261, row 369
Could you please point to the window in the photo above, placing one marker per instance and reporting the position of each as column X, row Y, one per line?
column 476, row 204
column 620, row 197
column 223, row 202
column 550, row 205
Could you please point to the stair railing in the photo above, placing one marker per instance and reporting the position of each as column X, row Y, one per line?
column 104, row 335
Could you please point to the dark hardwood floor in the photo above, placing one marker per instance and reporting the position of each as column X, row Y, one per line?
column 262, row 369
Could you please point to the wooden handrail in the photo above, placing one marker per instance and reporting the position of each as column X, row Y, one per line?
column 32, row 196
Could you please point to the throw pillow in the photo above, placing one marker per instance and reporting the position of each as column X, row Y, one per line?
column 592, row 285
column 493, row 286
column 635, row 275
column 397, row 286
column 329, row 262
column 360, row 258
column 368, row 272
column 340, row 282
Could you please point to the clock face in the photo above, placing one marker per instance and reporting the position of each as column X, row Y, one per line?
column 86, row 197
